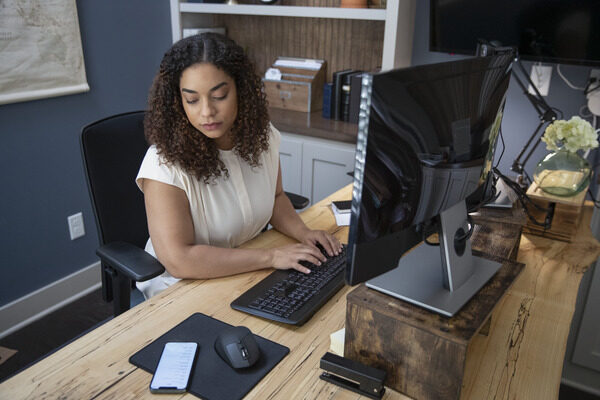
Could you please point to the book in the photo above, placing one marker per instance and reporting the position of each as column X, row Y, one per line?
column 338, row 81
column 346, row 88
column 355, row 88
column 327, row 97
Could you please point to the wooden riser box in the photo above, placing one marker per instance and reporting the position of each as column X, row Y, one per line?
column 424, row 353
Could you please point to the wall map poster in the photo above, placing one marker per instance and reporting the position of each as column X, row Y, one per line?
column 40, row 50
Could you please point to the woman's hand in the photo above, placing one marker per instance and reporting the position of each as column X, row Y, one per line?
column 287, row 257
column 329, row 242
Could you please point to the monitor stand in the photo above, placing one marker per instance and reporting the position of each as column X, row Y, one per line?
column 440, row 279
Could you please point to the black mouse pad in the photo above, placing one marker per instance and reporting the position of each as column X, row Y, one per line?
column 212, row 378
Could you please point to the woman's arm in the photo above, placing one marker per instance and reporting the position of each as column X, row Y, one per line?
column 172, row 232
column 286, row 220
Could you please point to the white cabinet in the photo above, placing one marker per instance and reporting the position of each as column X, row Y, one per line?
column 290, row 155
column 398, row 18
column 317, row 167
column 324, row 168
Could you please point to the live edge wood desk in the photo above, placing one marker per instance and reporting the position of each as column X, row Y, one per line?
column 521, row 358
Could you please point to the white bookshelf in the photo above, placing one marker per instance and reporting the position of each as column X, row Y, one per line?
column 285, row 11
column 398, row 19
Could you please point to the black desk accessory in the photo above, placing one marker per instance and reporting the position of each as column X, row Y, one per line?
column 353, row 375
column 211, row 377
column 546, row 113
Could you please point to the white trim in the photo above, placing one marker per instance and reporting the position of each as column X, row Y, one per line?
column 33, row 306
column 372, row 14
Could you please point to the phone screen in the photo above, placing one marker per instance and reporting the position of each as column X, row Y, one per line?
column 173, row 371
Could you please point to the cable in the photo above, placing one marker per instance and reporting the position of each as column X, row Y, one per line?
column 558, row 111
column 526, row 202
column 569, row 84
column 594, row 200
column 584, row 115
column 503, row 146
column 426, row 233
column 587, row 89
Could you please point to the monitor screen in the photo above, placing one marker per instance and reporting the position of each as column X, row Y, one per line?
column 562, row 31
column 427, row 137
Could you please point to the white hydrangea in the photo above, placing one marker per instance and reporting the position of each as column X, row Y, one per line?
column 572, row 135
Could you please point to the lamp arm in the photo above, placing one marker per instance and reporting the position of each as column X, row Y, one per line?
column 545, row 113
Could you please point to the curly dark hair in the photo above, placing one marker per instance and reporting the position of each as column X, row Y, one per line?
column 167, row 126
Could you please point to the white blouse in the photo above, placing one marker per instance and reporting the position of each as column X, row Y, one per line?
column 226, row 212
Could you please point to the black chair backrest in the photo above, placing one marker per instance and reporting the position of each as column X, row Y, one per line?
column 113, row 149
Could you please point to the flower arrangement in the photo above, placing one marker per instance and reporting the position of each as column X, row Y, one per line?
column 572, row 135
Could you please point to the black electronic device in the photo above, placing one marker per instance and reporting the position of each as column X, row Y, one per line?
column 237, row 347
column 424, row 155
column 562, row 31
column 342, row 206
column 353, row 375
column 292, row 297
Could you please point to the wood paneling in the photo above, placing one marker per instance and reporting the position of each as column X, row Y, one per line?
column 342, row 43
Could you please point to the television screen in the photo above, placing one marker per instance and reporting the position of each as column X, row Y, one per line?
column 561, row 31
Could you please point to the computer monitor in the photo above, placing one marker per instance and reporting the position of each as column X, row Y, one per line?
column 426, row 142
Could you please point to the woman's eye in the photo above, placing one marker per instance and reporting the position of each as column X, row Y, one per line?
column 192, row 101
column 220, row 97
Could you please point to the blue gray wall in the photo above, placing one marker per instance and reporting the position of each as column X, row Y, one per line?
column 520, row 117
column 42, row 180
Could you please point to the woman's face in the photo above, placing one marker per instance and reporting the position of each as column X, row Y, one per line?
column 209, row 99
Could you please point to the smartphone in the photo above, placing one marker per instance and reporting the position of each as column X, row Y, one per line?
column 173, row 372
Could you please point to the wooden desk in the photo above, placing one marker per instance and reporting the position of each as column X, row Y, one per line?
column 521, row 358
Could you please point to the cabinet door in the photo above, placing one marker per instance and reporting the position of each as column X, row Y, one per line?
column 324, row 168
column 290, row 155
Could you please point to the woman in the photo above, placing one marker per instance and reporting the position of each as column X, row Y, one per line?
column 211, row 177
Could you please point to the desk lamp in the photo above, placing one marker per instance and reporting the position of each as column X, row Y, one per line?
column 545, row 113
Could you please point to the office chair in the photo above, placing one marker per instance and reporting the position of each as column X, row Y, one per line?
column 112, row 150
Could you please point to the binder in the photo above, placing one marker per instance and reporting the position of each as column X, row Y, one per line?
column 327, row 100
column 338, row 81
column 346, row 89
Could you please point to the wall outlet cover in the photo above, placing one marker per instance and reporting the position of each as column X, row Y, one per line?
column 540, row 76
column 76, row 227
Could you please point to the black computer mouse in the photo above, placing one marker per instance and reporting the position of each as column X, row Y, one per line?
column 237, row 347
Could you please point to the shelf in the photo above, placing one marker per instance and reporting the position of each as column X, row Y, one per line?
column 313, row 124
column 370, row 14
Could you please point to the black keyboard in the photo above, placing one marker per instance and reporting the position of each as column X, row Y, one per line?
column 292, row 297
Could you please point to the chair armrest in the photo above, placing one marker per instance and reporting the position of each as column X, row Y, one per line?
column 131, row 261
column 299, row 202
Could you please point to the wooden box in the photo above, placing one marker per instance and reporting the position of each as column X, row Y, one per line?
column 565, row 218
column 299, row 89
column 423, row 353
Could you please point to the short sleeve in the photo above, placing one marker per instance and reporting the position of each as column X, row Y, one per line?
column 274, row 138
column 155, row 168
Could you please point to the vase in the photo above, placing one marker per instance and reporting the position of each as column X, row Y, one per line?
column 562, row 173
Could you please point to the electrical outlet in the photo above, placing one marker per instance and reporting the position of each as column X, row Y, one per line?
column 76, row 227
column 593, row 96
column 540, row 76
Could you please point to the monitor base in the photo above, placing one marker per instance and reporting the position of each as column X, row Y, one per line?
column 418, row 279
